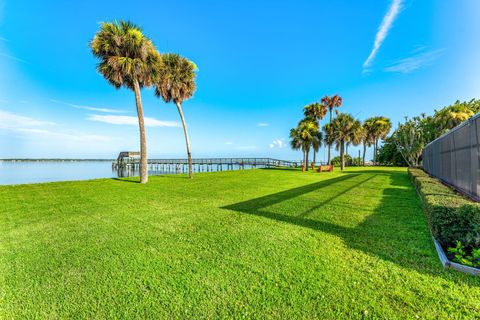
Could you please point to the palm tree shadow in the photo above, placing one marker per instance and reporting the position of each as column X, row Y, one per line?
column 393, row 232
column 126, row 180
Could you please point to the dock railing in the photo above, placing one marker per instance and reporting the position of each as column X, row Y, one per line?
column 241, row 162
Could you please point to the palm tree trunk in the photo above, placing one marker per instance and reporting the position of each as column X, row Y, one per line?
column 364, row 150
column 314, row 156
column 346, row 152
column 187, row 140
column 143, row 139
column 376, row 151
column 306, row 159
column 329, row 145
column 342, row 155
column 328, row 157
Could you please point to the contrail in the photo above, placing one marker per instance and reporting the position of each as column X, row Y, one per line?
column 383, row 30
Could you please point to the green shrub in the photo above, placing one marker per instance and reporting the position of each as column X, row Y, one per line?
column 451, row 216
column 349, row 161
column 461, row 255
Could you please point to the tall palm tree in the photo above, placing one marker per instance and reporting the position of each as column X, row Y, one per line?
column 331, row 103
column 176, row 82
column 315, row 111
column 342, row 130
column 303, row 137
column 127, row 59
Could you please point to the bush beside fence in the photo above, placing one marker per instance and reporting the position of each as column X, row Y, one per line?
column 451, row 216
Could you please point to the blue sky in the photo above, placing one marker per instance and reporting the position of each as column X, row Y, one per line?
column 259, row 64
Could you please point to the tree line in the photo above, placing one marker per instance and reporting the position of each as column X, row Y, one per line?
column 342, row 130
column 406, row 143
column 129, row 59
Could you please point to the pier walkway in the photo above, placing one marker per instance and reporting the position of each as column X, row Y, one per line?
column 202, row 164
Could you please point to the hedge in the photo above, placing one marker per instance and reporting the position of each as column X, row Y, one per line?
column 451, row 216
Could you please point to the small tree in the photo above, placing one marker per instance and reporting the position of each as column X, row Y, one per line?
column 410, row 140
column 389, row 155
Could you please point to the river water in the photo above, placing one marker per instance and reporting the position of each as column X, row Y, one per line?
column 21, row 172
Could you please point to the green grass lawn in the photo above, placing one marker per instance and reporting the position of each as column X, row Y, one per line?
column 242, row 244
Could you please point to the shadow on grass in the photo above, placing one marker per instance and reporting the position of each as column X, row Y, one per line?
column 126, row 180
column 395, row 231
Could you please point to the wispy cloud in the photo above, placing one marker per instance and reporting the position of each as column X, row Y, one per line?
column 279, row 143
column 87, row 107
column 262, row 124
column 228, row 143
column 35, row 128
column 131, row 121
column 419, row 58
column 9, row 120
column 383, row 31
column 2, row 54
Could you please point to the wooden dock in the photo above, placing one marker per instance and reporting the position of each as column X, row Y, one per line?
column 132, row 163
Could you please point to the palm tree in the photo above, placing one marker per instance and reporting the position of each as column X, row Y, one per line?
column 316, row 112
column 316, row 144
column 303, row 137
column 343, row 127
column 356, row 135
column 331, row 103
column 368, row 139
column 380, row 127
column 296, row 141
column 127, row 59
column 328, row 138
column 450, row 117
column 176, row 82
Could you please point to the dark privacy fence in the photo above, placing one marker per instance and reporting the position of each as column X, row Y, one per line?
column 454, row 157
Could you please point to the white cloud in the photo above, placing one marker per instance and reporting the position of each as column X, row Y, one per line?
column 34, row 128
column 131, row 121
column 228, row 143
column 88, row 107
column 419, row 58
column 383, row 31
column 262, row 124
column 279, row 143
column 9, row 120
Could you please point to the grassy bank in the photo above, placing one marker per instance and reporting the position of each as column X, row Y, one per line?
column 253, row 243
